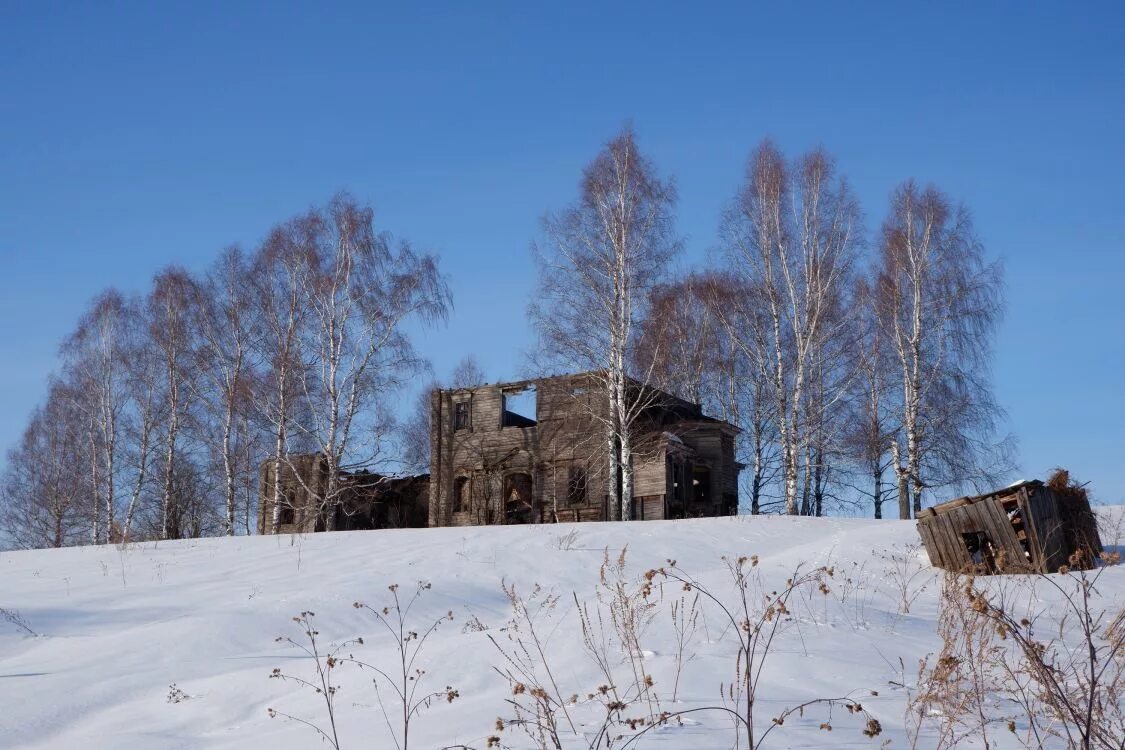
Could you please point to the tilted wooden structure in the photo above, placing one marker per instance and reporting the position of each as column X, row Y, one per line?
column 1027, row 527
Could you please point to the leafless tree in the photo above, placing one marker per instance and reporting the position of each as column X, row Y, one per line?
column 872, row 428
column 93, row 360
column 939, row 304
column 171, row 335
column 833, row 367
column 280, row 312
column 143, row 414
column 791, row 235
column 599, row 259
column 682, row 342
column 360, row 292
column 738, row 305
column 222, row 319
column 44, row 485
column 705, row 345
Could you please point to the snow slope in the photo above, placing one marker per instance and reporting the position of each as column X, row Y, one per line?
column 119, row 627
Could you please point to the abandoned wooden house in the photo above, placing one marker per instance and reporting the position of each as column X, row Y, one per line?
column 535, row 451
column 363, row 500
column 1027, row 527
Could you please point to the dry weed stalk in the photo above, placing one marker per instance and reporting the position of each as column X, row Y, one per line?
column 685, row 623
column 1064, row 675
column 322, row 684
column 539, row 707
column 757, row 616
column 907, row 574
column 405, row 679
column 630, row 612
column 15, row 618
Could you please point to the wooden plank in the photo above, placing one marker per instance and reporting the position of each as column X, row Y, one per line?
column 926, row 531
column 1052, row 537
column 1031, row 526
column 999, row 528
column 953, row 547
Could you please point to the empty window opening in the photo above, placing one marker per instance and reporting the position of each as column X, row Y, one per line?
column 678, row 489
column 730, row 504
column 981, row 549
column 287, row 514
column 517, row 498
column 701, row 484
column 462, row 416
column 520, row 408
column 461, row 494
column 576, row 486
column 727, row 445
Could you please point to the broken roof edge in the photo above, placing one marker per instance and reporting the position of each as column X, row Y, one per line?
column 519, row 385
column 960, row 502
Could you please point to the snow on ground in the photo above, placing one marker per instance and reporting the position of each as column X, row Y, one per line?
column 118, row 627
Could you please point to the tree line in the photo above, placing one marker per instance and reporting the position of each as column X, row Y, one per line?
column 167, row 403
column 856, row 365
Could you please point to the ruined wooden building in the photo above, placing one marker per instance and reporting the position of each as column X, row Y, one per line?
column 362, row 500
column 1027, row 527
column 536, row 451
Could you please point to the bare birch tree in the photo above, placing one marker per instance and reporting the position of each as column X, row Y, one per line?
column 93, row 359
column 280, row 311
column 222, row 320
column 599, row 259
column 143, row 415
column 792, row 234
column 171, row 335
column 360, row 292
column 832, row 369
column 44, row 485
column 939, row 304
column 738, row 305
column 872, row 428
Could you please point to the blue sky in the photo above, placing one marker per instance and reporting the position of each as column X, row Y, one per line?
column 137, row 135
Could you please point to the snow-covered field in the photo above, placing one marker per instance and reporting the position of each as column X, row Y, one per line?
column 118, row 627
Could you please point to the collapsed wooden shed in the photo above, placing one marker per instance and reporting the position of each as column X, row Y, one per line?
column 1025, row 528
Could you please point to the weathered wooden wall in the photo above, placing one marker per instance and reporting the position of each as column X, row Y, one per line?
column 569, row 433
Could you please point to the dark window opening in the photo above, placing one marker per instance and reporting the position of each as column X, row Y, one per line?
column 519, row 408
column 461, row 416
column 517, row 499
column 287, row 514
column 701, row 484
column 576, row 486
column 730, row 504
column 462, row 490
column 981, row 549
column 678, row 490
